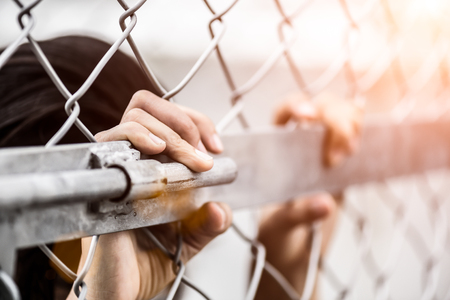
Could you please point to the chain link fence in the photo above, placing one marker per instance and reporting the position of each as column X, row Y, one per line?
column 390, row 57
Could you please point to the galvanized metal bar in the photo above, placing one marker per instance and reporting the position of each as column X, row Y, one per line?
column 45, row 224
column 8, row 245
column 273, row 166
column 277, row 165
column 133, row 180
column 20, row 191
column 64, row 157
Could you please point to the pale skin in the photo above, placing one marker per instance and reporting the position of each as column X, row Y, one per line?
column 127, row 266
column 284, row 229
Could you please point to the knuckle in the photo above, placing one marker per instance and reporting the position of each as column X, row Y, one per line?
column 133, row 115
column 140, row 98
column 99, row 137
column 187, row 128
column 175, row 141
column 131, row 127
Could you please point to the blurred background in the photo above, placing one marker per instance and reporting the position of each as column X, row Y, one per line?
column 391, row 55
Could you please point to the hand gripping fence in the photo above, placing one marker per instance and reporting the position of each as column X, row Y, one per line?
column 375, row 191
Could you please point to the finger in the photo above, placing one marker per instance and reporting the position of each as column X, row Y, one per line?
column 342, row 141
column 211, row 220
column 207, row 130
column 303, row 211
column 343, row 136
column 297, row 111
column 342, row 120
column 297, row 108
column 176, row 147
column 142, row 138
column 166, row 112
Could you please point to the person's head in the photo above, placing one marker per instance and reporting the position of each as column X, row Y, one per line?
column 32, row 111
column 32, row 108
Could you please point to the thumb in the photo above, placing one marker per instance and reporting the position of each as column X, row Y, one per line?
column 211, row 220
column 303, row 211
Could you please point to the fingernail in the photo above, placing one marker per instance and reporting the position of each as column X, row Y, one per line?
column 156, row 139
column 336, row 157
column 217, row 142
column 222, row 213
column 307, row 110
column 201, row 147
column 318, row 207
column 203, row 155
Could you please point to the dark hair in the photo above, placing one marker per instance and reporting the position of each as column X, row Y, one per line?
column 32, row 110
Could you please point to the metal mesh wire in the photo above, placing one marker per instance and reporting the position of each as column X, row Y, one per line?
column 405, row 257
column 386, row 226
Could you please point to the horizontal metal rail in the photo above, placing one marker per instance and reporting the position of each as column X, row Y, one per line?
column 133, row 180
column 19, row 191
column 273, row 166
column 277, row 165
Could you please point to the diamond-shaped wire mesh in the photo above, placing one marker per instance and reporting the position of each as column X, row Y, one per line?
column 388, row 56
